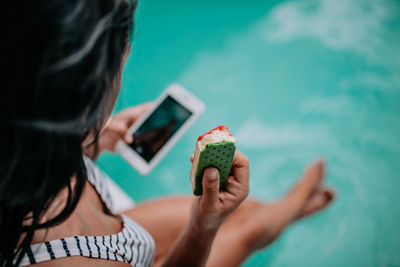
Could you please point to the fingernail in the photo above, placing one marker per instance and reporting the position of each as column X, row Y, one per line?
column 129, row 139
column 212, row 174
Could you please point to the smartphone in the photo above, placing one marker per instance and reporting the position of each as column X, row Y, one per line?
column 158, row 130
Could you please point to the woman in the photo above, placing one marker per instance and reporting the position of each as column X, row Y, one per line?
column 61, row 75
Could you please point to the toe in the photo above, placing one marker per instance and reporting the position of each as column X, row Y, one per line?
column 309, row 183
column 315, row 173
column 317, row 202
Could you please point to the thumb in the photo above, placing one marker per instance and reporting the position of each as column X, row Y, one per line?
column 128, row 138
column 210, row 185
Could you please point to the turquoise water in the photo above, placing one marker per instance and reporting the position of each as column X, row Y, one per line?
column 294, row 80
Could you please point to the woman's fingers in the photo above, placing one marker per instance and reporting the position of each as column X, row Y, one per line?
column 233, row 187
column 122, row 121
column 117, row 127
column 214, row 206
column 237, row 184
column 240, row 168
column 128, row 138
column 210, row 188
column 130, row 115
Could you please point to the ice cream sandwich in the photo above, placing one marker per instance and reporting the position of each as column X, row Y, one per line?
column 213, row 149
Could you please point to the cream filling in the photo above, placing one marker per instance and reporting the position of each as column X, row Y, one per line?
column 214, row 137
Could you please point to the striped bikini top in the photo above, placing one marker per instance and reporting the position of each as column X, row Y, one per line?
column 133, row 244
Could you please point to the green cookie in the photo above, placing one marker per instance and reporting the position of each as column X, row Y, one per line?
column 218, row 155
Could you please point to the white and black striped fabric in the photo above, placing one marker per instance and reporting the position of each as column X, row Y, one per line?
column 133, row 245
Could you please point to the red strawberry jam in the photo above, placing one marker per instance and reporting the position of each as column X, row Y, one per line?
column 219, row 128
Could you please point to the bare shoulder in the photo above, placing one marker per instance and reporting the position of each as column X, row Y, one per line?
column 78, row 261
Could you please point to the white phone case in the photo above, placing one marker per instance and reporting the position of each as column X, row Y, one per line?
column 184, row 98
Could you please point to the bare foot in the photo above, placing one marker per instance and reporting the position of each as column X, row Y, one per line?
column 307, row 197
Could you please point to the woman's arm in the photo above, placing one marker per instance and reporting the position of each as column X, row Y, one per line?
column 209, row 211
column 192, row 248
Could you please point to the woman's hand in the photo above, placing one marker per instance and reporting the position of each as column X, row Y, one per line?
column 208, row 213
column 211, row 209
column 118, row 125
column 116, row 129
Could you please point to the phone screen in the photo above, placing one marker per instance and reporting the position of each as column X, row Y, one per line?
column 159, row 127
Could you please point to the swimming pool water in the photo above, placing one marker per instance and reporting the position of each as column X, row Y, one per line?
column 294, row 80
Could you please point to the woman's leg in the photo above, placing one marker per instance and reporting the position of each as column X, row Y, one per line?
column 164, row 219
column 252, row 226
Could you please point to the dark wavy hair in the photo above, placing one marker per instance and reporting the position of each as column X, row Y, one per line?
column 60, row 66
